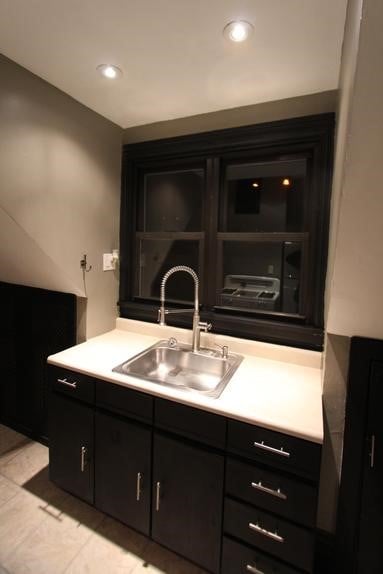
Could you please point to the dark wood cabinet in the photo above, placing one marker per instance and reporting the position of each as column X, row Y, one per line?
column 271, row 499
column 123, row 470
column 189, row 479
column 35, row 323
column 71, row 446
column 360, row 508
column 187, row 500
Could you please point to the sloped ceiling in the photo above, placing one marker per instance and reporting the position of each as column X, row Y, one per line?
column 175, row 60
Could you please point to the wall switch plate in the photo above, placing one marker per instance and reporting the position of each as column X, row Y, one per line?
column 108, row 262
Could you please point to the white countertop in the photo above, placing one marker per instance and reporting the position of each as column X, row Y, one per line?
column 275, row 387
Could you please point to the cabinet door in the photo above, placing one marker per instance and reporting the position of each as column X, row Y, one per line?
column 71, row 446
column 370, row 552
column 122, row 472
column 187, row 500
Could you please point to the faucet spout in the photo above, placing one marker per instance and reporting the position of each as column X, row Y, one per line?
column 162, row 312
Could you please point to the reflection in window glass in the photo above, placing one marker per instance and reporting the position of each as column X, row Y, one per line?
column 156, row 257
column 172, row 201
column 263, row 197
column 261, row 276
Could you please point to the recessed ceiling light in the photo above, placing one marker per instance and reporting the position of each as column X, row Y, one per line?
column 255, row 184
column 286, row 182
column 238, row 31
column 109, row 71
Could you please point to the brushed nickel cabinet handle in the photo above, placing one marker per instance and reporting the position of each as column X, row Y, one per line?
column 273, row 535
column 67, row 383
column 158, row 488
column 253, row 569
column 372, row 452
column 138, row 489
column 279, row 451
column 83, row 458
column 266, row 490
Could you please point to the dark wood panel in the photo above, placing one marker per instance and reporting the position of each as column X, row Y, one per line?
column 70, row 432
column 283, row 451
column 123, row 470
column 73, row 384
column 240, row 559
column 277, row 537
column 187, row 516
column 364, row 354
column 35, row 323
column 273, row 491
column 122, row 400
column 370, row 551
column 190, row 422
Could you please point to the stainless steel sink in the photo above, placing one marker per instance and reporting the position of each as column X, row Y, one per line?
column 205, row 371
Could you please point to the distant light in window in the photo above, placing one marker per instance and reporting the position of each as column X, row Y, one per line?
column 286, row 182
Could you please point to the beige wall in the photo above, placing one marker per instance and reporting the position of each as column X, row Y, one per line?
column 59, row 193
column 246, row 115
column 355, row 270
column 355, row 285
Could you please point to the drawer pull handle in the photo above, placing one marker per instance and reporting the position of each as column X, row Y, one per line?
column 273, row 535
column 138, row 489
column 158, row 488
column 279, row 451
column 83, row 458
column 372, row 452
column 67, row 383
column 253, row 569
column 277, row 493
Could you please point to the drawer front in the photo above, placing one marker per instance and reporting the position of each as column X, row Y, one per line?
column 193, row 423
column 70, row 383
column 122, row 400
column 272, row 491
column 297, row 455
column 270, row 533
column 240, row 559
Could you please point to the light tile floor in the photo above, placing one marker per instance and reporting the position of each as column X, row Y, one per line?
column 44, row 530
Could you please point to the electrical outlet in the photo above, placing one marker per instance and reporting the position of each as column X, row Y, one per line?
column 108, row 262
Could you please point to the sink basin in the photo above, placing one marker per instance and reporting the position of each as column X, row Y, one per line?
column 176, row 365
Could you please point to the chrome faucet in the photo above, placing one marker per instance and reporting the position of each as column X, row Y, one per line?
column 198, row 325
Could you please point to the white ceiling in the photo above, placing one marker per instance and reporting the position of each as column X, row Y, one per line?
column 175, row 59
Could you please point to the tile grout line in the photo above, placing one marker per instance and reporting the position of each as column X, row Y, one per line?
column 85, row 543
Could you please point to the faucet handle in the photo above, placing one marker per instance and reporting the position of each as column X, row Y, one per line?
column 224, row 349
column 204, row 326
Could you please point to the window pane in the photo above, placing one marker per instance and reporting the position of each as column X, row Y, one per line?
column 156, row 257
column 261, row 276
column 172, row 201
column 264, row 196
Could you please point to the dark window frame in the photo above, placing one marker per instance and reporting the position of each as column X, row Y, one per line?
column 312, row 135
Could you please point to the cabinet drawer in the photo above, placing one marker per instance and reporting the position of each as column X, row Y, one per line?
column 297, row 455
column 240, row 559
column 124, row 401
column 193, row 423
column 272, row 491
column 270, row 533
column 70, row 383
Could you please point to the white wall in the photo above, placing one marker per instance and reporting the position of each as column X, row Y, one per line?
column 59, row 193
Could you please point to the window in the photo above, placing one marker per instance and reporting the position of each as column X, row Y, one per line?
column 247, row 209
